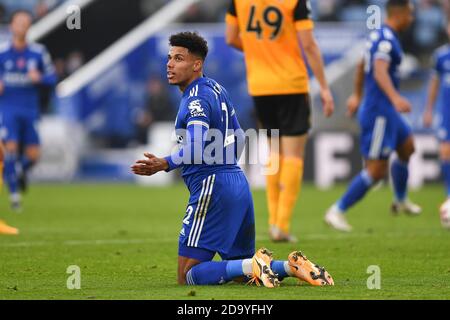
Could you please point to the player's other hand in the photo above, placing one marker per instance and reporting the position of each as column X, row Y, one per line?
column 34, row 75
column 2, row 87
column 353, row 103
column 428, row 118
column 401, row 104
column 327, row 102
column 150, row 165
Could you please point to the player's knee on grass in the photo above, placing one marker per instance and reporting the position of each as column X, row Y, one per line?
column 184, row 265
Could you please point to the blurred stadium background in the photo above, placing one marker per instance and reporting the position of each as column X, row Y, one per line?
column 113, row 102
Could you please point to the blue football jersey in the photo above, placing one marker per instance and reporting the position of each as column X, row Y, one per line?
column 381, row 44
column 206, row 104
column 383, row 129
column 19, row 91
column 441, row 66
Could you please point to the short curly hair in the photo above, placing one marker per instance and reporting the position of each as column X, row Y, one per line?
column 397, row 3
column 20, row 11
column 192, row 41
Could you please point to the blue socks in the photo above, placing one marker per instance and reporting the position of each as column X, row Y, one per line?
column 220, row 272
column 215, row 272
column 26, row 163
column 10, row 173
column 399, row 173
column 357, row 189
column 362, row 183
column 278, row 267
column 445, row 166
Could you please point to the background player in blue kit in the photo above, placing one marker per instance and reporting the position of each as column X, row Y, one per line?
column 440, row 81
column 5, row 228
column 219, row 216
column 23, row 66
column 382, row 128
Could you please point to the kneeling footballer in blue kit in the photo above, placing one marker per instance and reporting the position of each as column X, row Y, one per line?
column 219, row 217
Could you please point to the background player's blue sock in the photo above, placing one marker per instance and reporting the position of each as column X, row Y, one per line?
column 357, row 189
column 26, row 163
column 10, row 174
column 445, row 166
column 279, row 267
column 399, row 173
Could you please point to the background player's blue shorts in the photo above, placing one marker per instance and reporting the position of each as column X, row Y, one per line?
column 19, row 125
column 382, row 133
column 219, row 219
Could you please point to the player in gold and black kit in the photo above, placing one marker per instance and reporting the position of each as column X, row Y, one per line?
column 272, row 34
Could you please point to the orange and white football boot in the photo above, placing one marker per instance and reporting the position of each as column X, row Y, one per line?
column 305, row 270
column 261, row 271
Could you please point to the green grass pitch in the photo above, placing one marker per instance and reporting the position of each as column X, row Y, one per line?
column 124, row 239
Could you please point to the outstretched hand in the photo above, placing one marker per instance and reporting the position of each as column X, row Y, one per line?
column 150, row 165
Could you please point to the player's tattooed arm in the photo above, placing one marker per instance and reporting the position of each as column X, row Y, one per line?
column 381, row 73
column 150, row 165
column 354, row 100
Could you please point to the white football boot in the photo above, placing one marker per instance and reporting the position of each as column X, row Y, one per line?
column 407, row 207
column 337, row 220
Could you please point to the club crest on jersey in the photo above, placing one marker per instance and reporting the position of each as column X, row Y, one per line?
column 196, row 109
column 21, row 63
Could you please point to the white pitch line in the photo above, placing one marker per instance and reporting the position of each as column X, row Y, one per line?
column 84, row 242
column 310, row 237
column 138, row 241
